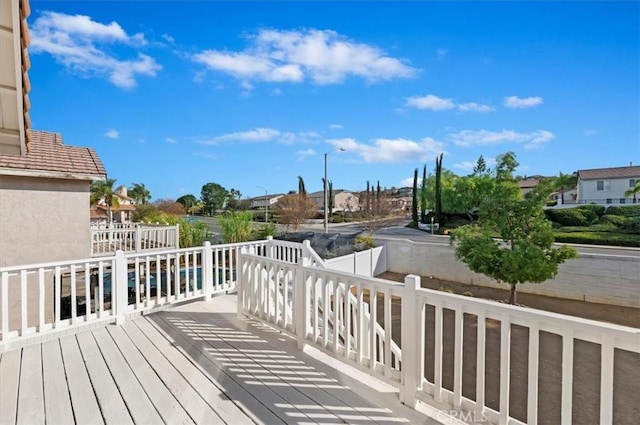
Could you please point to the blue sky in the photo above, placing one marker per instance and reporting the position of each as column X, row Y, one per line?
column 245, row 94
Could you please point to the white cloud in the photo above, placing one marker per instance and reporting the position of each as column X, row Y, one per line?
column 474, row 107
column 391, row 150
column 262, row 135
column 408, row 182
column 112, row 134
column 442, row 53
column 171, row 140
column 469, row 138
column 305, row 154
column 436, row 103
column 431, row 102
column 168, row 38
column 335, row 126
column 276, row 92
column 515, row 102
column 75, row 41
column 322, row 56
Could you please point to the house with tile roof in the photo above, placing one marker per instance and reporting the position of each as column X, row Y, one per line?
column 607, row 185
column 44, row 184
column 343, row 200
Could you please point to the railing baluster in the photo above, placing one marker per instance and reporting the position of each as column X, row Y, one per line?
column 137, row 282
column 74, row 295
column 532, row 391
column 326, row 312
column 347, row 326
column 387, row 332
column 437, row 358
column 480, row 363
column 41, row 298
column 567, row 377
column 373, row 314
column 607, row 358
column 457, row 358
column 505, row 363
column 100, row 287
column 337, row 307
column 5, row 305
column 23, row 301
column 360, row 327
column 315, row 306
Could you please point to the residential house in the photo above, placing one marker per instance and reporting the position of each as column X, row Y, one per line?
column 403, row 203
column 259, row 202
column 527, row 184
column 44, row 185
column 343, row 200
column 122, row 213
column 607, row 185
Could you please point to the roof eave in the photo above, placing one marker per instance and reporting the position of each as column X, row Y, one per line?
column 25, row 172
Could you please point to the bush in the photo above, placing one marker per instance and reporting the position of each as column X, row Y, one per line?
column 632, row 224
column 552, row 203
column 366, row 240
column 599, row 238
column 616, row 220
column 266, row 229
column 627, row 210
column 596, row 209
column 572, row 217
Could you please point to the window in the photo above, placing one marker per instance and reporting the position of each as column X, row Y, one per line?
column 608, row 200
column 623, row 200
column 603, row 185
column 632, row 182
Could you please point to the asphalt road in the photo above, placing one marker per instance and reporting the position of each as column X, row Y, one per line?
column 400, row 232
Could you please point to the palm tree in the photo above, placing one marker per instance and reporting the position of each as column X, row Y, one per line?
column 103, row 191
column 633, row 191
column 140, row 194
column 565, row 182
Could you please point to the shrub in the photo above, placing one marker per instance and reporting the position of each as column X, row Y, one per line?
column 366, row 240
column 596, row 209
column 632, row 224
column 192, row 233
column 626, row 210
column 552, row 203
column 445, row 289
column 266, row 229
column 616, row 220
column 467, row 294
column 599, row 238
column 236, row 227
column 571, row 216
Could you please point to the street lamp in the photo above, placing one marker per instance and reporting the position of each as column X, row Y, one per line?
column 326, row 215
column 266, row 204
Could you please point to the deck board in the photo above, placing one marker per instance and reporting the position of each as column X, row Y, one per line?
column 139, row 405
column 169, row 409
column 79, row 384
column 193, row 363
column 10, row 379
column 114, row 409
column 57, row 402
column 30, row 393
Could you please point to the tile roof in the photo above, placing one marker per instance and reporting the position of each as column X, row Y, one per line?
column 528, row 183
column 49, row 154
column 610, row 173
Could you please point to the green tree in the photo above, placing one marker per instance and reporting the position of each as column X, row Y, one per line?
column 481, row 167
column 414, row 193
column 438, row 187
column 213, row 197
column 139, row 193
column 633, row 192
column 188, row 201
column 565, row 182
column 523, row 250
column 301, row 189
column 103, row 192
column 423, row 195
column 233, row 201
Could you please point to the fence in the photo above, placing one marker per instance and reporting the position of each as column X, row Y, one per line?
column 138, row 238
column 429, row 343
column 43, row 300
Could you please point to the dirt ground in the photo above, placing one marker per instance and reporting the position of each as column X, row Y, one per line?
column 586, row 373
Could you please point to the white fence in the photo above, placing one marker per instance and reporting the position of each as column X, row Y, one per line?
column 371, row 262
column 40, row 301
column 332, row 310
column 137, row 238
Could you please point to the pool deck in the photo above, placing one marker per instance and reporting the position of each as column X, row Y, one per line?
column 194, row 363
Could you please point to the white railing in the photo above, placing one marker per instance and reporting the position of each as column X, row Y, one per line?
column 328, row 309
column 46, row 299
column 138, row 238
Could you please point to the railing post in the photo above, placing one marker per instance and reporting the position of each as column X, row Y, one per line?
column 120, row 284
column 177, row 241
column 306, row 248
column 241, row 281
column 207, row 267
column 411, row 342
column 138, row 247
column 300, row 303
column 269, row 248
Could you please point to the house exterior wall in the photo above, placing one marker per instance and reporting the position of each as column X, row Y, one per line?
column 346, row 201
column 612, row 193
column 43, row 220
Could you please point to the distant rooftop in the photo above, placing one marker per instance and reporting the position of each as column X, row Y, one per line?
column 49, row 157
column 631, row 171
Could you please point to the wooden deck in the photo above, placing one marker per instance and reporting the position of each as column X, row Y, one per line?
column 195, row 363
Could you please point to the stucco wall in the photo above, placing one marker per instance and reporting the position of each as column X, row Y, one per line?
column 588, row 190
column 594, row 278
column 43, row 220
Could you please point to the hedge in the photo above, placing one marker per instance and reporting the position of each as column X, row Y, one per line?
column 599, row 238
column 572, row 216
column 627, row 210
column 596, row 209
column 616, row 220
